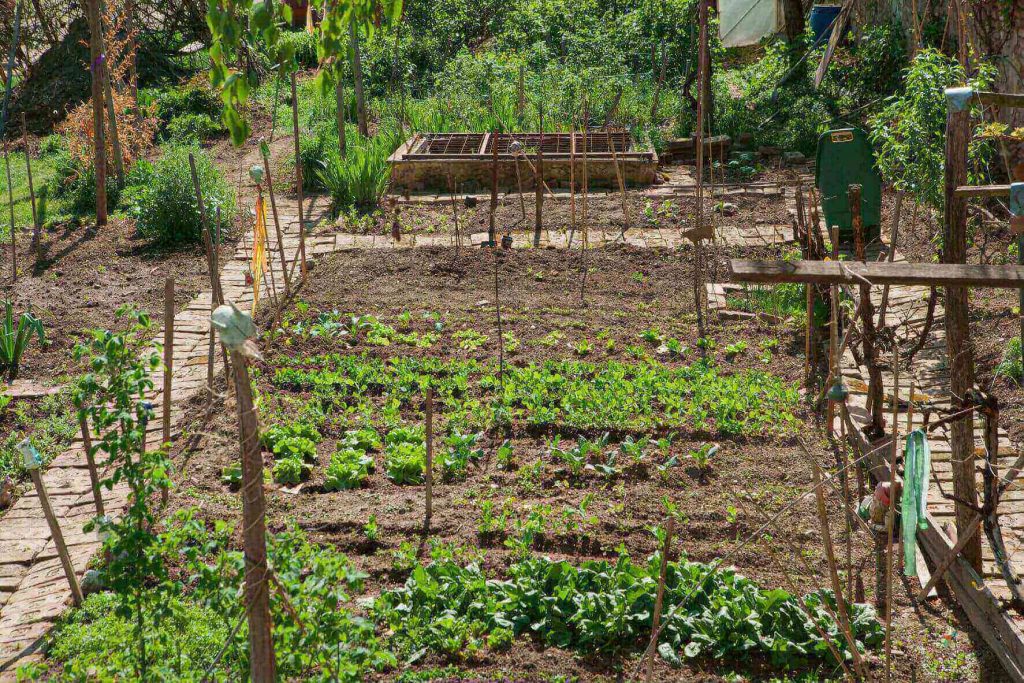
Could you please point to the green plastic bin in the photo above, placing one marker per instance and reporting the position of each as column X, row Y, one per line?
column 845, row 158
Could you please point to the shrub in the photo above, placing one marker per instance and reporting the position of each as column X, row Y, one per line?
column 1011, row 365
column 165, row 208
column 360, row 179
column 193, row 128
column 303, row 45
column 194, row 97
column 75, row 183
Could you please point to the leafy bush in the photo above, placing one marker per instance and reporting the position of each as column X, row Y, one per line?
column 348, row 469
column 909, row 133
column 165, row 208
column 75, row 183
column 1011, row 366
column 195, row 97
column 709, row 612
column 193, row 128
column 303, row 46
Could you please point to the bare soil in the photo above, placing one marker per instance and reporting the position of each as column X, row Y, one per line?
column 539, row 294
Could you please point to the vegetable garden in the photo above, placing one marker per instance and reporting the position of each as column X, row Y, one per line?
column 269, row 417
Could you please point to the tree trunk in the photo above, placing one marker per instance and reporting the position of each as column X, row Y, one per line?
column 793, row 17
column 99, row 143
column 357, row 74
column 958, row 346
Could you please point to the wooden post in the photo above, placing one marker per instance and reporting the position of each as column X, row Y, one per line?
column 277, row 224
column 14, row 230
column 429, row 474
column 298, row 181
column 958, row 342
column 168, row 365
column 261, row 644
column 115, row 138
column 891, row 256
column 340, row 115
column 99, row 143
column 55, row 532
column 890, row 515
column 357, row 75
column 538, row 222
column 572, row 198
column 620, row 181
column 36, row 227
column 90, row 460
column 703, row 101
column 491, row 231
column 660, row 597
column 837, row 589
column 875, row 388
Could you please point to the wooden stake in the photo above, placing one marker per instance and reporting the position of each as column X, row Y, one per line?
column 844, row 462
column 491, row 231
column 168, row 365
column 261, row 644
column 538, row 222
column 298, row 181
column 703, row 101
column 90, row 459
column 890, row 517
column 837, row 590
column 875, row 388
column 99, row 144
column 36, row 227
column 58, row 537
column 115, row 138
column 670, row 527
column 357, row 75
column 339, row 94
column 660, row 82
column 891, row 256
column 455, row 213
column 277, row 226
column 429, row 474
column 962, row 541
column 621, row 182
column 10, row 204
column 521, row 95
column 958, row 339
column 572, row 201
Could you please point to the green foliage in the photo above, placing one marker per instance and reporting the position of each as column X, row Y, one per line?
column 1011, row 365
column 15, row 337
column 565, row 394
column 192, row 128
column 290, row 470
column 302, row 45
column 75, row 185
column 909, row 133
column 360, row 178
column 405, row 455
column 462, row 450
column 317, row 636
column 348, row 469
column 50, row 423
column 165, row 206
column 709, row 612
column 784, row 300
column 111, row 397
column 194, row 97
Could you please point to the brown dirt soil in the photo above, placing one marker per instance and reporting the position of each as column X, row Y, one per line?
column 931, row 642
column 85, row 274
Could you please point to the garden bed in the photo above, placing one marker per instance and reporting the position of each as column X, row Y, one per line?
column 534, row 488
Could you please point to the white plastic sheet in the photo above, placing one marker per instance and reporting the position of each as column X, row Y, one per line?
column 745, row 22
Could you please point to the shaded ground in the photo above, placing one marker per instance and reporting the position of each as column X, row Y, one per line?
column 538, row 295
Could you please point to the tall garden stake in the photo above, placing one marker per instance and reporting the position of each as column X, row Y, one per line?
column 890, row 515
column 37, row 241
column 115, row 137
column 237, row 334
column 10, row 204
column 491, row 230
column 96, row 58
column 90, row 461
column 429, row 474
column 572, row 187
column 168, row 366
column 277, row 222
column 298, row 181
column 357, row 76
column 659, row 599
column 538, row 222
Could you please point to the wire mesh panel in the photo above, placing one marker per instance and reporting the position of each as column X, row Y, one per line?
column 450, row 144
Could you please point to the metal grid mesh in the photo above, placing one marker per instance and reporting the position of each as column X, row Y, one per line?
column 467, row 144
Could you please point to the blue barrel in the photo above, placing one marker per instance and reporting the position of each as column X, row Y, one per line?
column 822, row 17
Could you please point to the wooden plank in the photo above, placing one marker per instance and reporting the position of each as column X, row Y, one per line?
column 982, row 191
column 920, row 274
column 1001, row 99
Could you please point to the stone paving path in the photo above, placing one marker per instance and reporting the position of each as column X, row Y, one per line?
column 33, row 588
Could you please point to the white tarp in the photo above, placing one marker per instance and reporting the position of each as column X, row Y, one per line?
column 745, row 22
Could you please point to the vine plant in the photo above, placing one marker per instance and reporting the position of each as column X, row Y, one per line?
column 232, row 35
column 111, row 396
